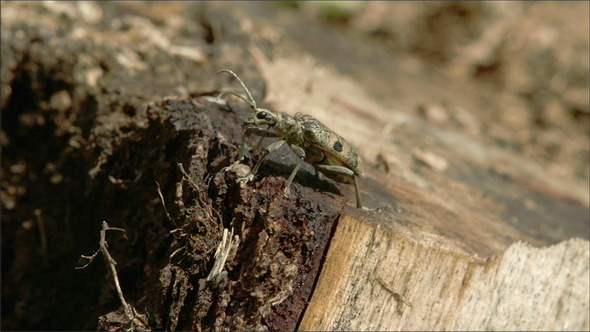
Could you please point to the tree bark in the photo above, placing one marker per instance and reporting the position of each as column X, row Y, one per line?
column 109, row 114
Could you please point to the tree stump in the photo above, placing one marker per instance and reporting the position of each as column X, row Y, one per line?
column 109, row 113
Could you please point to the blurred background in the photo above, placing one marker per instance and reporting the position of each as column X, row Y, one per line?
column 501, row 86
column 526, row 64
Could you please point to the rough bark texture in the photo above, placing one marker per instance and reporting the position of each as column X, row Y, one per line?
column 92, row 144
column 104, row 103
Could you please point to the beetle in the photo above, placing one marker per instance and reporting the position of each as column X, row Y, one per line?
column 310, row 140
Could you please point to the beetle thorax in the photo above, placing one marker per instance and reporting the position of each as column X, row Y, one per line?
column 289, row 129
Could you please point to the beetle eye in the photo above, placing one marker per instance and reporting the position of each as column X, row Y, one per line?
column 263, row 116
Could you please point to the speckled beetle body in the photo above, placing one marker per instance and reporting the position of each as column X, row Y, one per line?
column 334, row 150
column 310, row 140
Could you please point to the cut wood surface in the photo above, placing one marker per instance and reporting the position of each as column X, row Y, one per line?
column 375, row 279
column 475, row 155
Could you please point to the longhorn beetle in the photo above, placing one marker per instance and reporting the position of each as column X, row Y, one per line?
column 309, row 139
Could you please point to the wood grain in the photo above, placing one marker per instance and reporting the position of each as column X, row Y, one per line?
column 525, row 288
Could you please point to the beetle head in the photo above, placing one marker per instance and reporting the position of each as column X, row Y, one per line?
column 262, row 116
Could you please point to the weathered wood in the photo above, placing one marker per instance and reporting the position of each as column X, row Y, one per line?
column 456, row 238
column 450, row 248
column 439, row 289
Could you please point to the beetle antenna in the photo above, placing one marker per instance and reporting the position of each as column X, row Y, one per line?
column 250, row 100
column 223, row 93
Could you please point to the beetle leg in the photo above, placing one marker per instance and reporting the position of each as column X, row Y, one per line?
column 359, row 203
column 241, row 154
column 345, row 171
column 274, row 146
column 301, row 154
column 316, row 174
column 337, row 169
column 254, row 131
column 259, row 132
column 262, row 133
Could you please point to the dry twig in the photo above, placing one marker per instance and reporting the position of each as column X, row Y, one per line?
column 188, row 178
column 162, row 200
column 42, row 235
column 137, row 320
column 199, row 191
column 228, row 242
